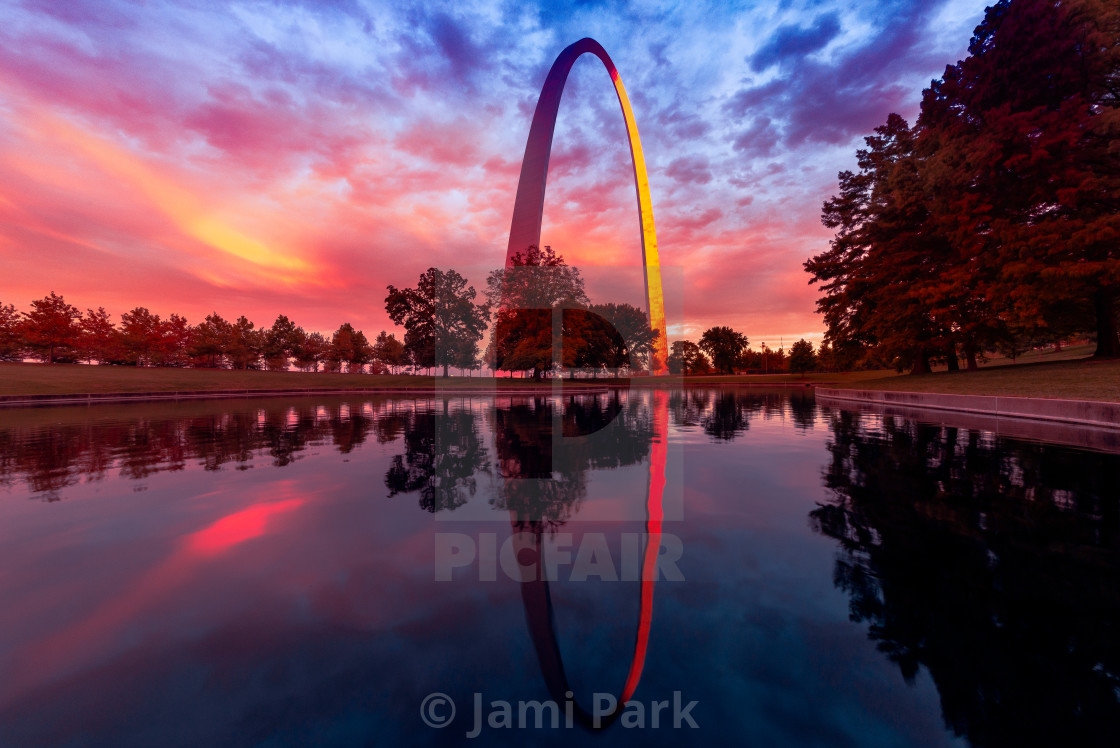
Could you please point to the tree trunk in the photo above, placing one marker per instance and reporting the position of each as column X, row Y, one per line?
column 970, row 357
column 953, row 362
column 921, row 363
column 1108, row 337
column 445, row 371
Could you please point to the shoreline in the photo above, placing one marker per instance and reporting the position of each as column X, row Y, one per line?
column 1099, row 414
column 544, row 388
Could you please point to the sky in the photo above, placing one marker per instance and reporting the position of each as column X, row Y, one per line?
column 266, row 158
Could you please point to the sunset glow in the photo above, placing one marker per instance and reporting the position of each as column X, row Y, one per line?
column 297, row 159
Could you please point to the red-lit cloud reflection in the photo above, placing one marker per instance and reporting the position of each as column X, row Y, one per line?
column 98, row 633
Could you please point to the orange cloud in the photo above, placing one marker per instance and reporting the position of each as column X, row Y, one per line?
column 195, row 216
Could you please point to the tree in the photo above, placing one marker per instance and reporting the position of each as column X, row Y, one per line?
column 141, row 336
column 884, row 256
column 51, row 327
column 801, row 357
column 350, row 346
column 175, row 341
column 245, row 344
column 530, row 296
column 308, row 349
column 11, row 334
column 388, row 351
column 280, row 341
column 100, row 339
column 724, row 346
column 1021, row 137
column 634, row 331
column 361, row 352
column 211, row 341
column 440, row 317
column 467, row 357
column 686, row 358
column 590, row 342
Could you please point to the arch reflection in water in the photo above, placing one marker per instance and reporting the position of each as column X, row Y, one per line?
column 992, row 563
column 535, row 587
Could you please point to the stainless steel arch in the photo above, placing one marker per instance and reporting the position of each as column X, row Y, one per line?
column 528, row 207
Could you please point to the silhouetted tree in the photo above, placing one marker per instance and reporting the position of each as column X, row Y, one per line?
column 724, row 346
column 389, row 352
column 175, row 335
column 140, row 336
column 439, row 316
column 801, row 357
column 885, row 248
column 634, row 332
column 350, row 346
column 537, row 286
column 686, row 358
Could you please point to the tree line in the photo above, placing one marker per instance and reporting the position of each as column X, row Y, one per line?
column 543, row 324
column 53, row 331
column 722, row 350
column 994, row 221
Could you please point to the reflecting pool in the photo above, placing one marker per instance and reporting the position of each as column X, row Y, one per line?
column 743, row 567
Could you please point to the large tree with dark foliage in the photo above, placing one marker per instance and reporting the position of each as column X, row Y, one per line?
column 630, row 334
column 1024, row 163
column 531, row 296
column 801, row 357
column 998, row 214
column 686, row 358
column 439, row 316
column 884, row 252
column 724, row 346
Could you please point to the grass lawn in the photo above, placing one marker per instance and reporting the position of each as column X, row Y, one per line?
column 43, row 379
column 1036, row 376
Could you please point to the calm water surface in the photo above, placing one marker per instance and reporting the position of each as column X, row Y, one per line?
column 308, row 571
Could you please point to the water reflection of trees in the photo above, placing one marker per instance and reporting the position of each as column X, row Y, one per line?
column 544, row 452
column 993, row 563
column 443, row 453
column 51, row 455
column 725, row 414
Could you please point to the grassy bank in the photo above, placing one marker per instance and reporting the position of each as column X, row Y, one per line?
column 78, row 379
column 1083, row 379
column 1056, row 378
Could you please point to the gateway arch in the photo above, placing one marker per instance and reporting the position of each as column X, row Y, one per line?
column 528, row 208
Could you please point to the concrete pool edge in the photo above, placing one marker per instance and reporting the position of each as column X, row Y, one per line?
column 1084, row 423
column 1087, row 412
column 606, row 385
